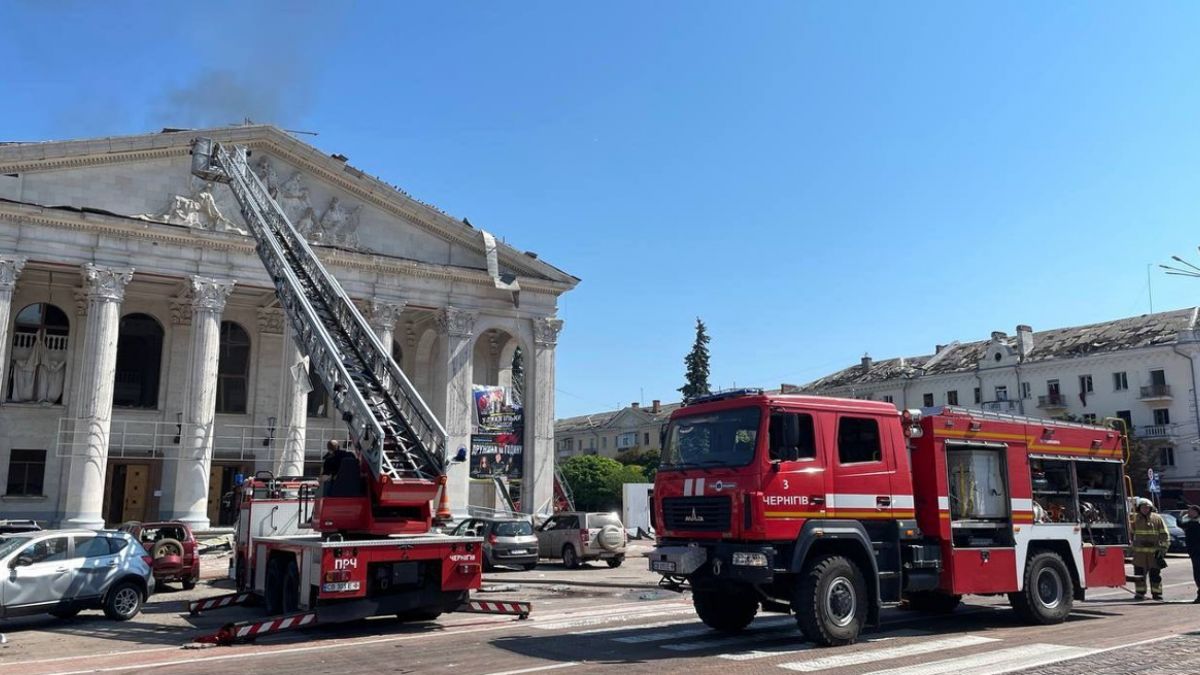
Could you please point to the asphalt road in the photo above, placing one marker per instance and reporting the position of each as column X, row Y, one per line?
column 601, row 620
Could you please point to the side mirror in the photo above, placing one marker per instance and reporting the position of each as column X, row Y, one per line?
column 21, row 562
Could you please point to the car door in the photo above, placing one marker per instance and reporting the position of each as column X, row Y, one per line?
column 545, row 534
column 93, row 564
column 38, row 575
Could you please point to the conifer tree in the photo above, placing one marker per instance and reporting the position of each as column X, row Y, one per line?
column 697, row 365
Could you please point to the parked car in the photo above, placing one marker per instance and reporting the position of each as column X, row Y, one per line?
column 508, row 542
column 172, row 547
column 61, row 572
column 1178, row 538
column 577, row 537
column 13, row 526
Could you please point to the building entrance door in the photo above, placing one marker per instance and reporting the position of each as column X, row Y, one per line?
column 126, row 498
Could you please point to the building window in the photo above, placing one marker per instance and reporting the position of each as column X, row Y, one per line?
column 646, row 439
column 627, row 440
column 26, row 470
column 604, row 442
column 1002, row 393
column 858, row 440
column 1166, row 456
column 1120, row 381
column 978, row 395
column 139, row 362
column 318, row 398
column 927, row 400
column 887, row 398
column 1127, row 417
column 1089, row 418
column 38, row 369
column 233, row 368
column 1025, row 393
column 1162, row 415
column 952, row 397
column 1085, row 384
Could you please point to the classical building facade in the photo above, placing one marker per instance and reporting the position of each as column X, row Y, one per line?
column 145, row 363
column 613, row 432
column 1143, row 369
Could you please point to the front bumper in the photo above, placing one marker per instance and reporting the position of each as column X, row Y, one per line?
column 756, row 563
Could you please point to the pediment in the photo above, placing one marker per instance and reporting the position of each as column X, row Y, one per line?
column 330, row 202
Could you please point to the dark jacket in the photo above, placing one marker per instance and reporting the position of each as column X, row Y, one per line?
column 1191, row 530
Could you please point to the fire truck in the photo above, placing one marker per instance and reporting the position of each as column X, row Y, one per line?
column 831, row 509
column 373, row 549
column 268, row 506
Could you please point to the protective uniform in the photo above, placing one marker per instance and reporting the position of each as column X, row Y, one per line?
column 1150, row 542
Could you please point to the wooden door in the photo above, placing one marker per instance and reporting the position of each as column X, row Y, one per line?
column 133, row 505
column 216, row 475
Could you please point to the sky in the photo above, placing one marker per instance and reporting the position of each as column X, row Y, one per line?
column 815, row 180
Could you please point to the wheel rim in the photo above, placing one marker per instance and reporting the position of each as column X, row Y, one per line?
column 126, row 601
column 1049, row 588
column 841, row 602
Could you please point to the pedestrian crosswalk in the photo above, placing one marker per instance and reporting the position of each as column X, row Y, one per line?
column 774, row 642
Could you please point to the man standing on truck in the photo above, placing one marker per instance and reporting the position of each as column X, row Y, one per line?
column 1150, row 542
column 331, row 462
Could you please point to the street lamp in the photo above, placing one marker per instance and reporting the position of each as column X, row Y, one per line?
column 1192, row 270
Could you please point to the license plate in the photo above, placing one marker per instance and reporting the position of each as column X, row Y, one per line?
column 340, row 587
column 662, row 565
column 518, row 551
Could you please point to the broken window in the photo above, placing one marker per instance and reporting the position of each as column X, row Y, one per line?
column 1002, row 393
column 139, row 362
column 233, row 368
column 38, row 369
column 952, row 397
column 1085, row 384
column 927, row 400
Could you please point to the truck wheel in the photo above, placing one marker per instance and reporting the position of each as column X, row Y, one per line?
column 291, row 586
column 830, row 601
column 426, row 614
column 726, row 610
column 123, row 602
column 1048, row 595
column 239, row 571
column 570, row 558
column 933, row 602
column 273, row 591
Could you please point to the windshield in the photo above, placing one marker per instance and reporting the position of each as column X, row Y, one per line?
column 725, row 438
column 513, row 529
column 10, row 544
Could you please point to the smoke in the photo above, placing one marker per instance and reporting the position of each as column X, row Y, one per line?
column 221, row 96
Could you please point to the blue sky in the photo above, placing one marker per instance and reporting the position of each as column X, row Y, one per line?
column 815, row 180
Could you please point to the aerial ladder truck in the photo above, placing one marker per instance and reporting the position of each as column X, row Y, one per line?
column 373, row 550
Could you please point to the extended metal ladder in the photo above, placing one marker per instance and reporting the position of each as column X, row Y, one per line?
column 398, row 436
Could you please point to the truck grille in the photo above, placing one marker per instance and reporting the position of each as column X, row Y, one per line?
column 697, row 514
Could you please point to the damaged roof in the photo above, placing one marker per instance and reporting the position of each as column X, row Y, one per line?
column 601, row 420
column 1147, row 330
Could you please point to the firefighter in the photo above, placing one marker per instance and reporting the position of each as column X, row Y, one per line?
column 331, row 461
column 1191, row 531
column 1150, row 542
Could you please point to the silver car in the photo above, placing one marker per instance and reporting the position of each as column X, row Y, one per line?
column 61, row 572
column 507, row 542
column 577, row 536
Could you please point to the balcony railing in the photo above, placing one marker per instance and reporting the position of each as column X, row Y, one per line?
column 1154, row 431
column 1052, row 401
column 156, row 439
column 1002, row 406
column 1156, row 391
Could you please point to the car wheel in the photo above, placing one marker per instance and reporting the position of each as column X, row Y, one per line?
column 570, row 558
column 123, row 602
column 529, row 566
column 189, row 584
column 65, row 612
column 615, row 562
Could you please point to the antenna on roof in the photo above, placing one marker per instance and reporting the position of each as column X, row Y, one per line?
column 307, row 133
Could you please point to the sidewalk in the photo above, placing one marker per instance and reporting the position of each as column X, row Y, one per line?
column 1170, row 656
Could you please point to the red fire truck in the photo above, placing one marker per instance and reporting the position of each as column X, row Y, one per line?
column 266, row 506
column 372, row 548
column 833, row 508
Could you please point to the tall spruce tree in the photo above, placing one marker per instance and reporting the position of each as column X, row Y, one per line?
column 697, row 365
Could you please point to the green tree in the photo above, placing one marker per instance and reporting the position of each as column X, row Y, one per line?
column 645, row 458
column 596, row 481
column 697, row 365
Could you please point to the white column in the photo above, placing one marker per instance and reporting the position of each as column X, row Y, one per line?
column 382, row 317
column 293, row 407
column 457, row 327
column 92, row 409
column 537, row 488
column 10, row 269
column 189, row 502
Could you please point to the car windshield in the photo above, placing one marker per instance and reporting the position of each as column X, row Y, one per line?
column 516, row 528
column 724, row 438
column 10, row 544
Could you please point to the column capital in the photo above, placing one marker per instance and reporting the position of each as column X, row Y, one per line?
column 270, row 320
column 181, row 311
column 456, row 322
column 546, row 330
column 10, row 269
column 105, row 284
column 383, row 312
column 208, row 293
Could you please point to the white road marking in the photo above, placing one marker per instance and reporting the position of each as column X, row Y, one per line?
column 597, row 620
column 554, row 666
column 994, row 662
column 786, row 650
column 630, row 629
column 695, row 630
column 885, row 654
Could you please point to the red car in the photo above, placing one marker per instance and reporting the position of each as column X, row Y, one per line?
column 172, row 547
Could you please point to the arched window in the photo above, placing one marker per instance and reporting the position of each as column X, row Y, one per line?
column 139, row 361
column 39, row 354
column 233, row 369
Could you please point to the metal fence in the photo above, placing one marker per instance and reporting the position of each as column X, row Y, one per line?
column 156, row 439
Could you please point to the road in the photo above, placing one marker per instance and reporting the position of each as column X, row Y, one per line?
column 618, row 623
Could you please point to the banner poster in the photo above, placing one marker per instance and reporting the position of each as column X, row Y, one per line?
column 497, row 443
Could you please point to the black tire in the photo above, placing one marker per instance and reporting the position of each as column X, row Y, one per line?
column 529, row 566
column 615, row 562
column 425, row 614
column 239, row 571
column 1049, row 593
column 273, row 587
column 570, row 558
column 726, row 610
column 291, row 586
column 123, row 601
column 933, row 602
column 65, row 612
column 189, row 584
column 830, row 601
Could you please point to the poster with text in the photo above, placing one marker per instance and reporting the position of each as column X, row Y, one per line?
column 497, row 444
